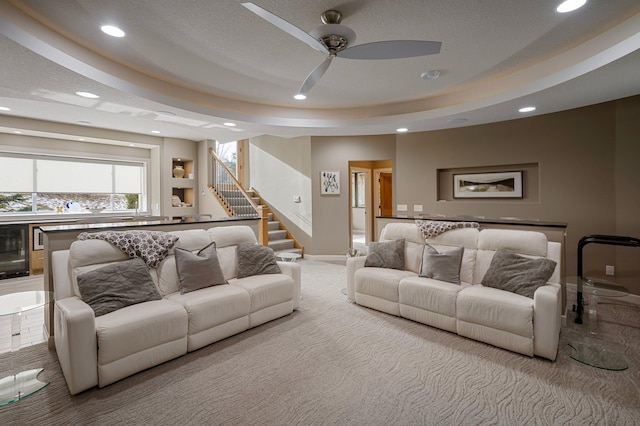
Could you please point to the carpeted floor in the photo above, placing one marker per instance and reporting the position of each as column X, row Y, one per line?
column 336, row 363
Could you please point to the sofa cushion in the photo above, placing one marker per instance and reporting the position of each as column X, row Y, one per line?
column 496, row 309
column 138, row 328
column 198, row 270
column 117, row 285
column 191, row 239
column 413, row 243
column 430, row 295
column 266, row 290
column 212, row 306
column 226, row 239
column 518, row 274
column 386, row 254
column 255, row 259
column 443, row 266
column 464, row 237
column 380, row 282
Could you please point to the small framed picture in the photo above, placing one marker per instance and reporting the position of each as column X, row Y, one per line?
column 330, row 183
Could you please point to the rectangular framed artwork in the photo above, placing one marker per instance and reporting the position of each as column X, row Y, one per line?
column 330, row 183
column 488, row 185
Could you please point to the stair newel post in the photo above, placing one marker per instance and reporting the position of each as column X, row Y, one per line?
column 263, row 226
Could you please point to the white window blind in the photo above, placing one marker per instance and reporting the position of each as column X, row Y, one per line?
column 128, row 179
column 16, row 175
column 71, row 176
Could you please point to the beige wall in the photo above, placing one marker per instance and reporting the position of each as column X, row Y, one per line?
column 280, row 169
column 587, row 171
column 331, row 212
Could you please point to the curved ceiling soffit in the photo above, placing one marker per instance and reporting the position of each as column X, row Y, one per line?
column 595, row 53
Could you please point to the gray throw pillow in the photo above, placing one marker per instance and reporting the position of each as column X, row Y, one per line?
column 115, row 286
column 518, row 274
column 386, row 254
column 255, row 259
column 198, row 270
column 443, row 266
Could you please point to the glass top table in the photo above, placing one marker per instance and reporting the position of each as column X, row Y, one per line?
column 288, row 257
column 19, row 385
column 594, row 353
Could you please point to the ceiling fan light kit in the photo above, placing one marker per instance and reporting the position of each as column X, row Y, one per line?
column 335, row 40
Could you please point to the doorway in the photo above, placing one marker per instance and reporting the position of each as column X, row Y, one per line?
column 370, row 183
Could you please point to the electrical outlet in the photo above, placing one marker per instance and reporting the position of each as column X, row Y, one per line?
column 296, row 198
column 610, row 270
column 402, row 207
column 417, row 207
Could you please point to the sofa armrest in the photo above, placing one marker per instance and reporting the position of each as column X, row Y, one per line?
column 353, row 264
column 547, row 301
column 76, row 343
column 293, row 270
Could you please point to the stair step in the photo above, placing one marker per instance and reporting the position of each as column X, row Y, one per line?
column 280, row 234
column 281, row 244
column 274, row 225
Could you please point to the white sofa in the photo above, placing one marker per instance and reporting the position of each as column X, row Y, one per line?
column 529, row 326
column 101, row 350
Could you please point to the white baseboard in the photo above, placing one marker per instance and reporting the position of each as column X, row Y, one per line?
column 339, row 259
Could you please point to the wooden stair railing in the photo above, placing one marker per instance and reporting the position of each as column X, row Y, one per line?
column 223, row 181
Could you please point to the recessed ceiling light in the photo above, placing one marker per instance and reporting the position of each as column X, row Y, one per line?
column 300, row 97
column 112, row 31
column 17, row 131
column 527, row 109
column 155, row 131
column 132, row 144
column 87, row 95
column 402, row 130
column 80, row 139
column 229, row 124
column 570, row 5
column 430, row 75
column 84, row 122
column 457, row 120
column 5, row 109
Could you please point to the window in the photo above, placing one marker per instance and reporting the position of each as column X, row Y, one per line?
column 47, row 184
column 358, row 189
column 227, row 153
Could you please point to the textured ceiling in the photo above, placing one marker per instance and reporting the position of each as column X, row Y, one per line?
column 214, row 61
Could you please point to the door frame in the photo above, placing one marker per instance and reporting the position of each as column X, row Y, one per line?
column 368, row 202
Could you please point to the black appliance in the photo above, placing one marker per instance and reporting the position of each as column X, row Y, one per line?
column 14, row 250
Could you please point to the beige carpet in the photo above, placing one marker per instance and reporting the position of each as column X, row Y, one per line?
column 336, row 363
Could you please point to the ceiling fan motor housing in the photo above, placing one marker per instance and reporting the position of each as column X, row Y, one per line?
column 334, row 37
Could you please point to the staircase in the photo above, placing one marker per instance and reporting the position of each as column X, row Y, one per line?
column 279, row 238
column 239, row 202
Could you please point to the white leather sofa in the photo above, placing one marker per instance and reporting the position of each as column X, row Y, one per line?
column 529, row 326
column 102, row 350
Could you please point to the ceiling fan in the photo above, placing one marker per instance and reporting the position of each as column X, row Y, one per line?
column 335, row 40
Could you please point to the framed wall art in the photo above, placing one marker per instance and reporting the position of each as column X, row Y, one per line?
column 488, row 185
column 330, row 183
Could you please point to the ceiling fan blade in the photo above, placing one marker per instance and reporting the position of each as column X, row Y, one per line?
column 286, row 26
column 393, row 49
column 315, row 76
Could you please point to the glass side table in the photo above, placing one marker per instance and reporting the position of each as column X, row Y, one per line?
column 288, row 257
column 595, row 352
column 20, row 385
